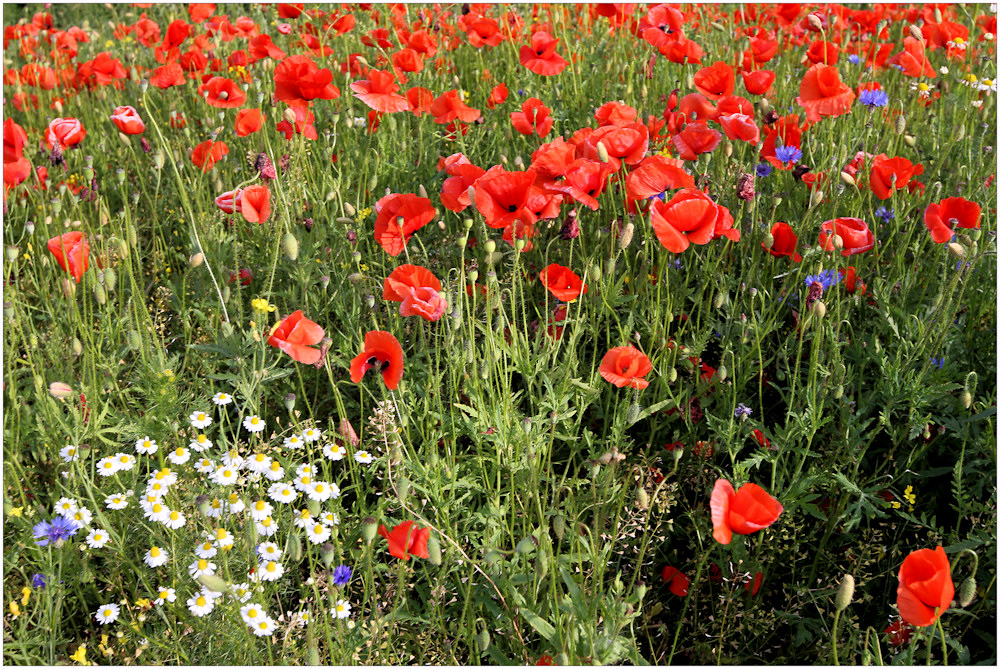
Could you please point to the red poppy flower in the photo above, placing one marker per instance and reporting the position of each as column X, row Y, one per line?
column 690, row 217
column 296, row 335
column 654, row 175
column 925, row 587
column 303, row 124
column 785, row 241
column 407, row 60
column 255, row 203
column 743, row 512
column 626, row 143
column 381, row 351
column 941, row 218
column 455, row 189
column 752, row 584
column 660, row 24
column 15, row 172
column 128, row 121
column 849, row 276
column 585, row 181
column 222, row 93
column 888, row 174
column 533, row 117
column 165, row 76
column 677, row 581
column 625, row 366
column 206, row 154
column 758, row 82
column 261, row 47
column 715, row 81
column 14, row 140
column 418, row 291
column 419, row 100
column 615, row 113
column 298, row 79
column 72, row 252
column 497, row 96
column 545, row 661
column 103, row 70
column 761, row 439
column 541, row 57
column 898, row 632
column 823, row 52
column 400, row 215
column 449, row 106
column 248, row 121
column 562, row 282
column 696, row 139
column 406, row 539
column 913, row 60
column 64, row 132
column 481, row 30
column 378, row 91
column 854, row 233
column 501, row 196
column 229, row 202
column 740, row 126
column 823, row 94
column 682, row 50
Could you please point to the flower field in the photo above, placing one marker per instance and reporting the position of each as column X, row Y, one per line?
column 499, row 334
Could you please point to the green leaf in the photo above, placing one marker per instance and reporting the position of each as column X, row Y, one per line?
column 541, row 626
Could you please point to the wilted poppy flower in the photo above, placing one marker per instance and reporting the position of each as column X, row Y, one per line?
column 854, row 232
column 941, row 218
column 222, row 93
column 752, row 584
column 823, row 94
column 849, row 277
column 229, row 202
column 898, row 632
column 562, row 282
column 64, row 133
column 715, row 81
column 206, row 154
column 298, row 79
column 743, row 512
column 248, row 121
column 889, row 174
column 400, row 215
column 381, row 351
column 255, row 203
column 128, row 121
column 533, row 117
column 71, row 252
column 625, row 366
column 690, row 217
column 296, row 335
column 406, row 539
column 925, row 587
column 785, row 241
column 541, row 57
column 677, row 581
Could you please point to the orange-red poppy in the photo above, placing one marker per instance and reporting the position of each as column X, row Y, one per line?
column 677, row 582
column 72, row 252
column 222, row 93
column 823, row 94
column 854, row 234
column 941, row 218
column 696, row 139
column 785, row 241
column 541, row 57
column 399, row 216
column 418, row 291
column 378, row 91
column 625, row 366
column 823, row 52
column 455, row 189
column 562, row 282
column 715, row 81
column 654, row 175
column 167, row 75
column 206, row 154
column 501, row 196
column 381, row 351
column 741, row 127
column 64, row 132
column 296, row 335
column 406, row 539
column 585, row 181
column 248, row 121
column 889, row 174
column 533, row 117
column 297, row 80
column 913, row 60
column 497, row 96
column 255, row 203
column 449, row 106
column 690, row 217
column 615, row 113
column 128, row 121
column 758, row 82
column 742, row 512
column 262, row 46
column 925, row 587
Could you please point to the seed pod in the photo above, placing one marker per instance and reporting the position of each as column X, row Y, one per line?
column 434, row 551
column 369, row 527
column 641, row 498
column 845, row 594
column 541, row 567
column 327, row 553
column 291, row 245
column 967, row 592
column 559, row 525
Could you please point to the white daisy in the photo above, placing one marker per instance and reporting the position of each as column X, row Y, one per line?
column 200, row 420
column 175, row 520
column 303, row 519
column 81, row 517
column 223, row 539
column 334, row 451
column 318, row 533
column 311, row 434
column 342, row 609
column 179, row 456
column 363, row 457
column 258, row 462
column 282, row 493
column 107, row 466
column 226, row 475
column 107, row 614
column 242, row 592
column 215, row 508
column 165, row 476
column 275, row 472
column 221, row 399
column 268, row 551
column 201, row 567
column 157, row 488
column 206, row 550
column 269, row 571
column 235, row 503
column 155, row 557
column 254, row 424
column 205, row 466
column 252, row 613
column 125, row 461
column 66, row 506
column 157, row 512
column 69, row 453
column 303, row 482
column 232, row 458
column 295, row 441
column 200, row 605
column 260, row 510
column 329, row 518
column 145, row 446
column 116, row 502
column 201, row 443
column 264, row 627
column 267, row 527
column 165, row 595
column 97, row 538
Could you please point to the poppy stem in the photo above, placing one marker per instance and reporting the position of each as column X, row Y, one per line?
column 687, row 600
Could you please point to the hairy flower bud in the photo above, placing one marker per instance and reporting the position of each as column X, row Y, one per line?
column 845, row 593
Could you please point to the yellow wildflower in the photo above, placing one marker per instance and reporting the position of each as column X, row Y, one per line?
column 80, row 655
column 25, row 595
column 261, row 305
column 15, row 610
column 17, row 511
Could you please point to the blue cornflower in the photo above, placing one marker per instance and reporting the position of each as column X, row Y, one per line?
column 788, row 154
column 763, row 170
column 661, row 196
column 885, row 214
column 853, row 59
column 342, row 575
column 938, row 362
column 872, row 98
column 38, row 581
column 742, row 411
column 826, row 278
column 59, row 529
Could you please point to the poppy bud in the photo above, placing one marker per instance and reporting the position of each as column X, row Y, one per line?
column 134, row 340
column 594, row 271
column 226, row 294
column 815, row 198
column 848, row 179
column 373, row 182
column 626, row 236
column 541, row 567
column 434, row 551
column 60, row 390
column 722, row 372
column 369, row 526
column 291, row 245
column 602, row 152
column 838, row 392
column 204, row 505
column 727, row 148
column 483, row 638
column 916, row 34
column 77, row 347
column 956, row 250
column 672, row 375
column 68, row 288
column 213, row 583
column 641, row 498
column 473, row 275
column 966, row 399
column 763, row 106
column 720, row 299
column 910, row 141
column 900, row 124
column 845, row 594
column 609, row 266
column 8, row 311
column 562, row 659
column 768, row 241
column 124, row 139
column 349, row 210
column 559, row 525
column 815, row 22
column 327, row 552
column 967, row 591
column 100, row 294
column 819, row 309
column 838, row 242
column 290, row 402
column 196, row 260
column 960, row 133
column 631, row 416
column 777, row 200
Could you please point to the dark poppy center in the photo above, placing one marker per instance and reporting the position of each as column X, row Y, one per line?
column 372, row 361
column 385, row 366
column 512, row 208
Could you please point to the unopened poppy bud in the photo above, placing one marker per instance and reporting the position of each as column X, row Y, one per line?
column 562, row 659
column 349, row 209
column 559, row 525
column 727, row 148
column 290, row 401
column 434, row 551
column 327, row 553
column 815, row 198
column 678, row 453
column 60, row 390
column 373, row 182
column 768, row 241
column 291, row 245
column 77, row 347
column 900, row 124
column 819, row 309
column 641, row 498
column 226, row 293
column 100, row 294
column 848, row 179
column 966, row 399
column 58, row 106
column 967, row 591
column 609, row 266
column 369, row 527
column 845, row 594
column 489, row 246
column 134, row 340
column 814, row 22
column 720, row 299
column 672, row 375
column 196, row 260
column 204, row 504
column 12, row 253
column 960, row 133
column 594, row 271
column 777, row 200
column 838, row 242
column 626, row 235
column 290, row 115
column 602, row 153
column 370, row 301
column 356, row 257
column 722, row 372
column 955, row 249
column 124, row 139
column 916, row 34
column 526, row 425
column 838, row 392
column 525, row 546
column 520, row 244
column 312, row 653
column 483, row 639
column 910, row 141
column 8, row 311
column 213, row 582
